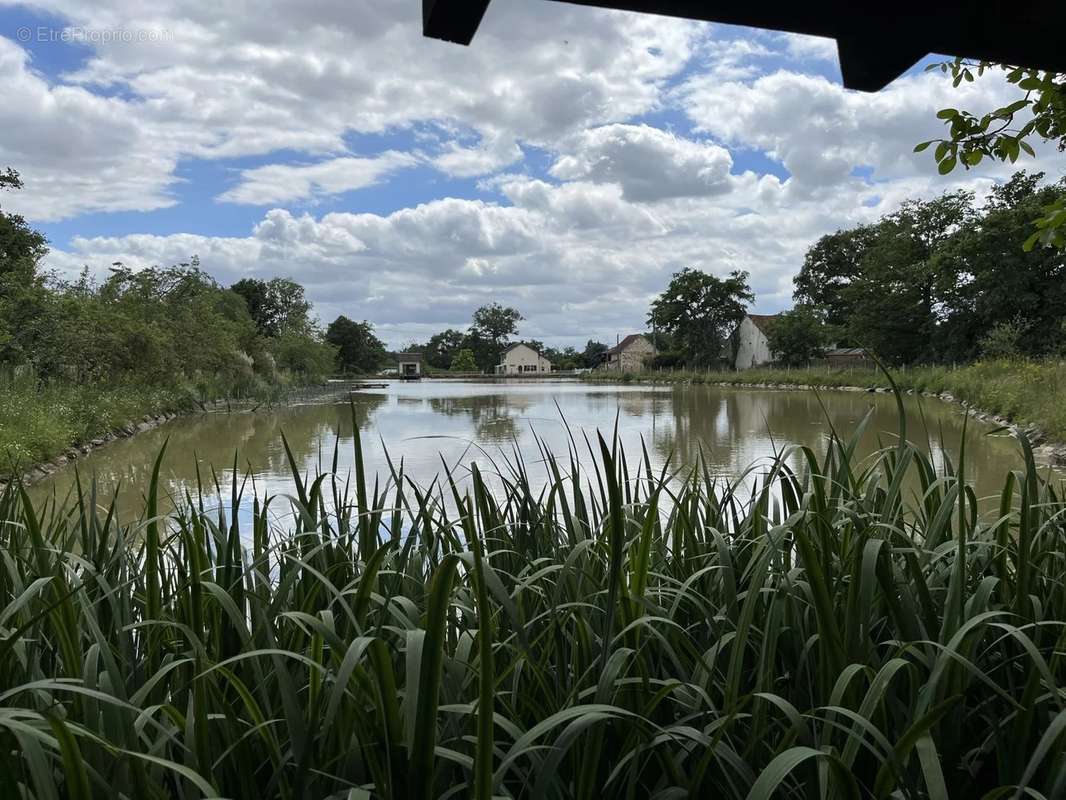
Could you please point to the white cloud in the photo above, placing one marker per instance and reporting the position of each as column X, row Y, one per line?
column 229, row 81
column 281, row 183
column 821, row 132
column 75, row 149
column 648, row 163
column 580, row 250
column 490, row 155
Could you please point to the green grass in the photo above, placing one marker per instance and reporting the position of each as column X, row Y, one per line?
column 39, row 421
column 618, row 633
column 1020, row 390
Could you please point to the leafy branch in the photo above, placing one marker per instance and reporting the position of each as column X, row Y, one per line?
column 1002, row 133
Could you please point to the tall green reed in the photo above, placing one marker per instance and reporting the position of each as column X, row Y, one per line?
column 824, row 627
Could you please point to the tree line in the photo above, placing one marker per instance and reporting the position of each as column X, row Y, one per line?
column 492, row 330
column 939, row 280
column 162, row 326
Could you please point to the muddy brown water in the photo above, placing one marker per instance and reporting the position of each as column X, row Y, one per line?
column 423, row 423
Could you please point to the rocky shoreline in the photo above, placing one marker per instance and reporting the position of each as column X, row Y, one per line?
column 130, row 428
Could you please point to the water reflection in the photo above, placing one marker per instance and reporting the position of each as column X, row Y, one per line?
column 420, row 423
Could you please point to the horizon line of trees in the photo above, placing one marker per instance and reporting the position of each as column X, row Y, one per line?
column 167, row 326
column 936, row 281
column 480, row 347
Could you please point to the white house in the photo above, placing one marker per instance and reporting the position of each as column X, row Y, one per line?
column 629, row 355
column 521, row 359
column 749, row 346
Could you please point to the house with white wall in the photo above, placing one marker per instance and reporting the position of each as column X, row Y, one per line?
column 749, row 345
column 521, row 359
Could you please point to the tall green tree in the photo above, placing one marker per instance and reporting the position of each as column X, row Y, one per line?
column 495, row 324
column 277, row 305
column 829, row 268
column 797, row 336
column 358, row 349
column 988, row 281
column 895, row 300
column 592, row 355
column 699, row 310
column 442, row 347
column 22, row 295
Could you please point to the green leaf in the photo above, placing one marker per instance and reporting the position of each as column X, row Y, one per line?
column 918, row 148
column 947, row 165
column 428, row 697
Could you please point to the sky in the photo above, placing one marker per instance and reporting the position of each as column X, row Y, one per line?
column 566, row 163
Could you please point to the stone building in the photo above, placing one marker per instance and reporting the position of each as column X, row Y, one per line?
column 630, row 355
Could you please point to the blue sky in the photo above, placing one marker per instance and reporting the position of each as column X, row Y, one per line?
column 566, row 163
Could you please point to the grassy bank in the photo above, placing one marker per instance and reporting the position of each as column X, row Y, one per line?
column 618, row 634
column 1023, row 391
column 40, row 421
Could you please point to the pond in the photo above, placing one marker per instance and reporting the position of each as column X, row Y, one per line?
column 434, row 422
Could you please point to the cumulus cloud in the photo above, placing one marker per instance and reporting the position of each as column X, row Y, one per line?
column 227, row 83
column 821, row 132
column 280, row 183
column 600, row 203
column 76, row 149
column 492, row 154
column 648, row 163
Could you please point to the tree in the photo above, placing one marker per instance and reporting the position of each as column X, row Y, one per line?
column 829, row 267
column 564, row 360
column 485, row 352
column 21, row 286
column 1039, row 111
column 895, row 300
column 306, row 356
column 495, row 324
column 358, row 349
column 988, row 280
column 797, row 336
column 464, row 361
column 700, row 310
column 277, row 305
column 442, row 347
column 592, row 355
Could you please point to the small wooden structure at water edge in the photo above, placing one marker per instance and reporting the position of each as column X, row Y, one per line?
column 410, row 366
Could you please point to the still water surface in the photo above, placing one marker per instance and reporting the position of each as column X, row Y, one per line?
column 421, row 423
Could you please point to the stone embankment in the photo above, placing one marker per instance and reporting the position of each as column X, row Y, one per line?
column 130, row 428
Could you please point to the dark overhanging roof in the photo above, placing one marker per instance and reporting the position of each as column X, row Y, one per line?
column 877, row 42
